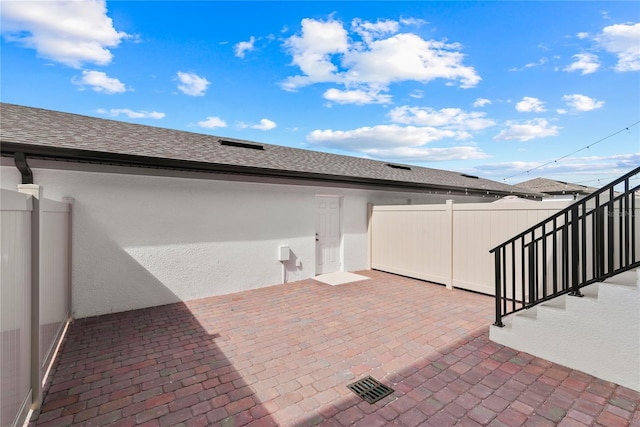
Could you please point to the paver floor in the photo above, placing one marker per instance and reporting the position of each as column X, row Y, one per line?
column 284, row 355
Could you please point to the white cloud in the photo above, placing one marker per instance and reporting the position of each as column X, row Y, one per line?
column 579, row 102
column 358, row 97
column 531, row 129
column 447, row 118
column 100, row 82
column 192, row 84
column 395, row 142
column 325, row 53
column 481, row 102
column 623, row 40
column 587, row 63
column 69, row 32
column 406, row 57
column 115, row 112
column 243, row 47
column 213, row 122
column 413, row 21
column 423, row 154
column 542, row 61
column 381, row 136
column 582, row 35
column 312, row 52
column 615, row 165
column 530, row 104
column 370, row 31
column 265, row 124
column 418, row 94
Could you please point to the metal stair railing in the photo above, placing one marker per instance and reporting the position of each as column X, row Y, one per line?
column 593, row 239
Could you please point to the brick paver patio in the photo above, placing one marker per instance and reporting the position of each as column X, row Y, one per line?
column 284, row 355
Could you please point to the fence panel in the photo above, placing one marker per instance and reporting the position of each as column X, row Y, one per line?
column 479, row 227
column 15, row 306
column 54, row 275
column 449, row 243
column 412, row 241
column 34, row 296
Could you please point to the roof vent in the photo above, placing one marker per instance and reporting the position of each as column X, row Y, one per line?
column 241, row 144
column 406, row 168
column 469, row 176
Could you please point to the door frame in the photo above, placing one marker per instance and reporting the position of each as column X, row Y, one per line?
column 340, row 229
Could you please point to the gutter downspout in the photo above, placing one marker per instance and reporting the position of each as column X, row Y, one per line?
column 20, row 160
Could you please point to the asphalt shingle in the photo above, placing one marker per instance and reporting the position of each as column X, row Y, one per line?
column 550, row 186
column 35, row 127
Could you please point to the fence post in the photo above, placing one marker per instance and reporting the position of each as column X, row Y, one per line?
column 70, row 201
column 449, row 252
column 36, row 381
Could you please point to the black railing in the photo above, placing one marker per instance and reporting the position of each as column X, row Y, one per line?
column 589, row 241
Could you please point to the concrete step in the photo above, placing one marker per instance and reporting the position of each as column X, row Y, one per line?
column 598, row 334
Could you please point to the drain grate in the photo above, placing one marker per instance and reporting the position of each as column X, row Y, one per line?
column 370, row 389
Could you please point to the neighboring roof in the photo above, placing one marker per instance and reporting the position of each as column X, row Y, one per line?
column 552, row 187
column 40, row 133
column 512, row 199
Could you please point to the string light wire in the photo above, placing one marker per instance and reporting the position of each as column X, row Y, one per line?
column 571, row 154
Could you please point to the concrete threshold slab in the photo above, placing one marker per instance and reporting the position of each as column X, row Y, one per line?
column 340, row 278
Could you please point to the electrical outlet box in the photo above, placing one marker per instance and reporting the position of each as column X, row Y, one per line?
column 284, row 254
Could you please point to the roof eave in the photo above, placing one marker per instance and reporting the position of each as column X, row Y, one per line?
column 118, row 159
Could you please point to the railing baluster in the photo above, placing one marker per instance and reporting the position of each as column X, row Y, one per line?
column 565, row 253
column 532, row 271
column 626, row 223
column 523, row 282
column 583, row 243
column 504, row 280
column 620, row 239
column 513, row 276
column 575, row 252
column 593, row 246
column 633, row 227
column 544, row 260
column 599, row 239
column 610, row 230
column 498, row 269
column 555, row 255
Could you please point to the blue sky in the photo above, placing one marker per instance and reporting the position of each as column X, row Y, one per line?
column 495, row 89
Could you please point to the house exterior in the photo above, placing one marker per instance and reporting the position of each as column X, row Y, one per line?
column 161, row 216
column 556, row 190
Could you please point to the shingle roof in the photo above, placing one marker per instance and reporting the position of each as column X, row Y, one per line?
column 550, row 186
column 75, row 137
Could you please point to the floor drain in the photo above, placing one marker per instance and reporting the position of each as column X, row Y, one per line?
column 370, row 389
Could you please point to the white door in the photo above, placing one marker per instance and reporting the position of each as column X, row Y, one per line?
column 327, row 234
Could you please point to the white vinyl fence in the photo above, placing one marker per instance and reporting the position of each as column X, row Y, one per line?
column 34, row 296
column 450, row 243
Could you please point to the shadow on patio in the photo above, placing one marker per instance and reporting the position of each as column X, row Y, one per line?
column 155, row 366
column 284, row 355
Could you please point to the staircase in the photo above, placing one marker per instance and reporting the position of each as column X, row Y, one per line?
column 567, row 289
column 598, row 334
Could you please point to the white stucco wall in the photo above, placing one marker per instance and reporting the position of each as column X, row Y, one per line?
column 142, row 240
column 598, row 334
